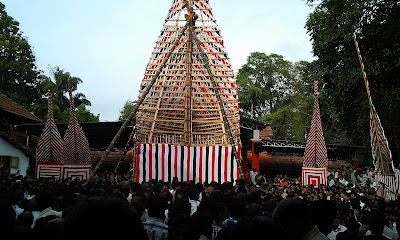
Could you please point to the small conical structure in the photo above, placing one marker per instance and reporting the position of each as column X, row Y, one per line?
column 76, row 147
column 181, row 107
column 315, row 155
column 49, row 147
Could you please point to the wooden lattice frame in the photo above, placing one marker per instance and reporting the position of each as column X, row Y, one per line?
column 182, row 107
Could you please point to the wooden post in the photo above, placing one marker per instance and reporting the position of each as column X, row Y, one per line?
column 221, row 104
column 140, row 101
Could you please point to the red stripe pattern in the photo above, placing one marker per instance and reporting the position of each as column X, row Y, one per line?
column 315, row 155
column 76, row 147
column 200, row 164
column 49, row 148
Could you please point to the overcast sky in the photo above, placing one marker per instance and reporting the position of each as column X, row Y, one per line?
column 108, row 43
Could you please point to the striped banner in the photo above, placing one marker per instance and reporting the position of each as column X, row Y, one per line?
column 201, row 164
column 315, row 155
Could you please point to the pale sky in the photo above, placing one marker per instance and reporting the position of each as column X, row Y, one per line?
column 108, row 43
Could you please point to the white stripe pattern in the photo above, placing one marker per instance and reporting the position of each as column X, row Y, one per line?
column 192, row 163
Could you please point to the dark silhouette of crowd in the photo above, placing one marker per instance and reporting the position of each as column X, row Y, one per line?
column 273, row 207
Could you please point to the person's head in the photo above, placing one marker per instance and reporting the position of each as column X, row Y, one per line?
column 99, row 217
column 376, row 220
column 179, row 207
column 294, row 217
column 25, row 219
column 139, row 201
column 156, row 206
column 323, row 213
column 193, row 194
column 209, row 190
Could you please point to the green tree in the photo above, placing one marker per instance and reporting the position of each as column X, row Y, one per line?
column 343, row 101
column 293, row 116
column 126, row 109
column 18, row 72
column 57, row 84
column 263, row 82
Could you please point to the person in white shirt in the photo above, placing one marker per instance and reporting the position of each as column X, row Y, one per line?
column 253, row 174
column 337, row 228
column 193, row 195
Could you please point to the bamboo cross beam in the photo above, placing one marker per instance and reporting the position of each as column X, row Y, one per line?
column 140, row 101
column 221, row 104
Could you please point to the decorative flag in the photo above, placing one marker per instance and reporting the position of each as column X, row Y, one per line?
column 49, row 148
column 382, row 157
column 76, row 152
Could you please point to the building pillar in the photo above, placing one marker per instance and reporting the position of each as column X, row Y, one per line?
column 245, row 160
column 255, row 157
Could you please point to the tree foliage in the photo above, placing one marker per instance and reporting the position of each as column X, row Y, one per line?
column 344, row 103
column 126, row 109
column 263, row 82
column 18, row 71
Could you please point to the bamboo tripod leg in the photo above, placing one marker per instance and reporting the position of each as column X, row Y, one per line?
column 221, row 104
column 127, row 145
column 140, row 101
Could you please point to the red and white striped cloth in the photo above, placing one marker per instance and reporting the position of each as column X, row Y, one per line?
column 201, row 164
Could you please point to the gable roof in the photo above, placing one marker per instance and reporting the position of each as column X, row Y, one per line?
column 8, row 105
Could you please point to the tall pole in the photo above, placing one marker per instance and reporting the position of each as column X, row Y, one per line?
column 385, row 168
column 140, row 101
column 221, row 104
column 188, row 82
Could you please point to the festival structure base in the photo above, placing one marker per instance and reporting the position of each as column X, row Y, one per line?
column 63, row 171
column 314, row 176
column 48, row 169
column 73, row 171
column 200, row 164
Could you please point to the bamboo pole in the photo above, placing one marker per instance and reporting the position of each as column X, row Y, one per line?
column 221, row 104
column 127, row 145
column 188, row 82
column 386, row 169
column 140, row 101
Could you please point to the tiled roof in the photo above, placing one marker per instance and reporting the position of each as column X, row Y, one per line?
column 8, row 105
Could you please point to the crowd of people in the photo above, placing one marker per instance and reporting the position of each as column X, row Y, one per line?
column 272, row 207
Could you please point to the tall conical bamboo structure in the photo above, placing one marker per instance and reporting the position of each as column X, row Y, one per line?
column 182, row 107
